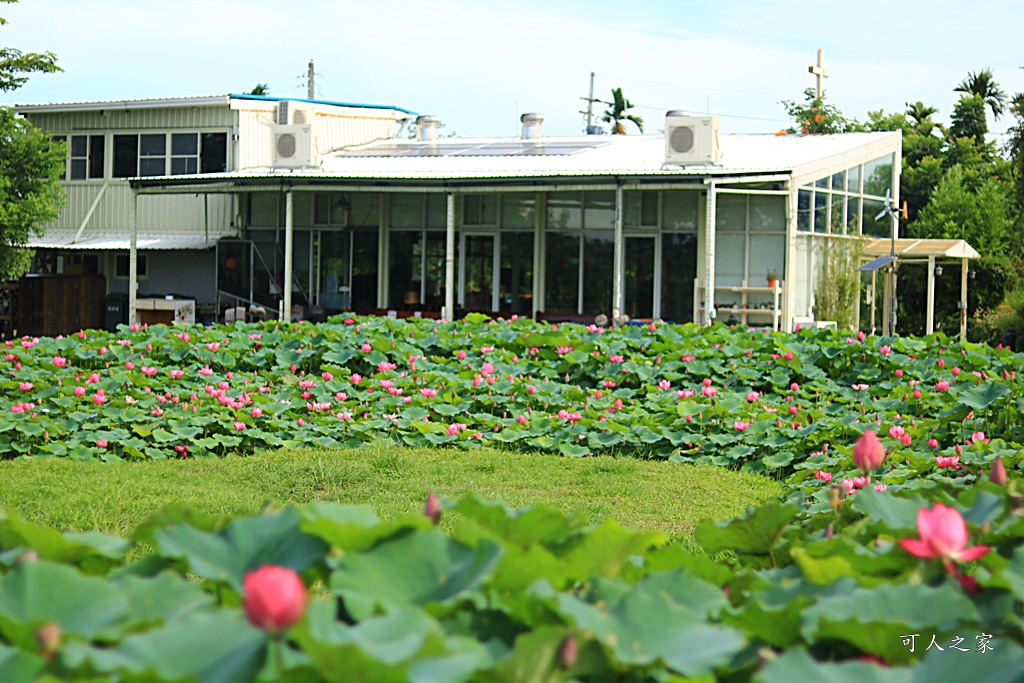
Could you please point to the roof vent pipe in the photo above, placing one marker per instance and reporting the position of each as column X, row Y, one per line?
column 532, row 126
column 426, row 128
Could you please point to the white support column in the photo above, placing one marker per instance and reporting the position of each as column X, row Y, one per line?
column 133, row 261
column 963, row 300
column 617, row 258
column 383, row 249
column 929, row 325
column 449, row 260
column 289, row 246
column 709, row 256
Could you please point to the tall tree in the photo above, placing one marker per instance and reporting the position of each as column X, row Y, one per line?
column 618, row 113
column 260, row 89
column 30, row 164
column 983, row 84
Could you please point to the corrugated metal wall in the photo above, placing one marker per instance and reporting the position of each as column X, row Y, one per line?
column 177, row 213
column 192, row 118
column 336, row 127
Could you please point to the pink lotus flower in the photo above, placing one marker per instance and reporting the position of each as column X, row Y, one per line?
column 453, row 429
column 148, row 370
column 794, row 387
column 885, row 350
column 129, row 365
column 355, row 378
column 709, row 391
column 687, row 358
column 917, row 393
column 868, row 453
column 213, row 346
column 307, row 384
column 427, row 392
column 101, row 443
column 157, row 412
column 239, row 426
column 25, row 386
column 933, row 444
column 346, row 416
column 205, row 371
column 941, row 363
column 861, row 482
column 664, row 384
column 947, row 461
column 788, row 355
column 943, row 536
column 752, row 396
column 274, row 598
column 256, row 412
column 997, row 475
column 327, row 377
column 707, row 382
column 741, row 426
column 461, row 355
column 685, row 393
column 880, row 487
column 978, row 437
column 521, row 419
column 562, row 350
column 616, row 358
column 896, row 432
column 861, row 335
column 941, row 385
column 99, row 399
column 341, row 397
column 79, row 392
column 823, row 476
column 609, row 384
column 177, row 374
column 60, row 361
column 531, row 390
column 899, row 373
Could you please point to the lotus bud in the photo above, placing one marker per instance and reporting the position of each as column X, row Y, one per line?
column 274, row 598
column 48, row 638
column 569, row 652
column 868, row 453
column 829, row 531
column 433, row 508
column 998, row 473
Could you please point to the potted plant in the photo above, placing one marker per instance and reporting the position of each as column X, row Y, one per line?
column 773, row 278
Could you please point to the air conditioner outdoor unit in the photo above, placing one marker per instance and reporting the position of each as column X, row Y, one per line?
column 691, row 139
column 295, row 147
column 289, row 113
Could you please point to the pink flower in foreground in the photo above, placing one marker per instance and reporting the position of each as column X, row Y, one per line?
column 868, row 453
column 978, row 437
column 823, row 476
column 355, row 378
column 709, row 391
column 99, row 399
column 428, row 392
column 941, row 385
column 177, row 374
column 896, row 432
column 741, row 426
column 664, row 384
column 997, row 475
column 239, row 426
column 274, row 598
column 943, row 536
column 25, row 386
column 101, row 443
column 752, row 396
column 685, row 393
column 205, row 371
column 79, row 391
column 885, row 350
column 148, row 370
column 788, row 355
column 60, row 361
column 213, row 346
column 933, row 444
column 947, row 461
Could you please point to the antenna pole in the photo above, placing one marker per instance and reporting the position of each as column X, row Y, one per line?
column 310, row 88
column 590, row 105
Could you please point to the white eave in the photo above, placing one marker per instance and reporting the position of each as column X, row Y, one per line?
column 119, row 105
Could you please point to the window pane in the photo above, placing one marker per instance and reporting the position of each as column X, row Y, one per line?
column 364, row 209
column 639, row 259
column 853, row 180
column 767, row 252
column 152, row 145
column 215, row 153
column 406, row 270
column 839, row 181
column 407, row 210
column 853, row 213
column 803, row 210
column 649, row 208
column 878, row 176
column 518, row 210
column 184, row 166
column 515, row 284
column 437, row 210
column 561, row 279
column 631, row 209
column 598, row 253
column 78, row 168
column 767, row 214
column 96, row 156
column 599, row 210
column 79, row 145
column 364, row 270
column 185, row 144
column 435, row 271
column 471, row 209
column 126, row 156
column 478, row 269
column 151, row 167
column 822, row 183
column 880, row 227
column 680, row 210
column 820, row 212
column 489, row 209
column 730, row 262
column 321, row 208
column 731, row 212
column 678, row 270
column 565, row 211
column 335, row 294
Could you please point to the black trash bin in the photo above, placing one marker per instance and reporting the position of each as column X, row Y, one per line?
column 117, row 310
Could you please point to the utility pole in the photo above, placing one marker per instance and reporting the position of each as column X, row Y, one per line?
column 310, row 89
column 590, row 106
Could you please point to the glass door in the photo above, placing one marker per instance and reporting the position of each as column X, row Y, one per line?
column 639, row 264
column 477, row 291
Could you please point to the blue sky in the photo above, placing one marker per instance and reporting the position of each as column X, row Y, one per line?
column 478, row 65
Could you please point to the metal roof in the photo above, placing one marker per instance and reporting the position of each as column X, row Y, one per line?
column 64, row 239
column 164, row 102
column 617, row 156
column 909, row 248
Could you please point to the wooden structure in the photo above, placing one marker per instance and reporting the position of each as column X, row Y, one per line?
column 50, row 305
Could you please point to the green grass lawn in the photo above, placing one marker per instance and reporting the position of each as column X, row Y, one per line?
column 114, row 498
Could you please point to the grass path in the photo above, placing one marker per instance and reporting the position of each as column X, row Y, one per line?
column 114, row 498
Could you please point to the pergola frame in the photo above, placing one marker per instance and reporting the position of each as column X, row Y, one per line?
column 929, row 251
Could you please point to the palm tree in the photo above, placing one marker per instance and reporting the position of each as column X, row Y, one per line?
column 260, row 89
column 617, row 114
column 920, row 112
column 983, row 84
column 1017, row 105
